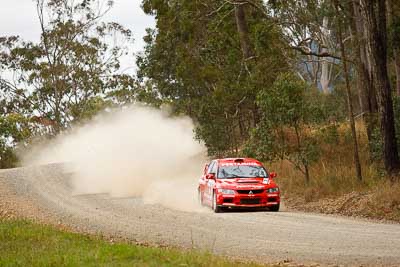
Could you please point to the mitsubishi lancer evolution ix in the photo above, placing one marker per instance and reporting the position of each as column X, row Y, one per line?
column 238, row 183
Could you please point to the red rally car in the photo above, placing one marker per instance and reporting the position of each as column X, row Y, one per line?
column 238, row 182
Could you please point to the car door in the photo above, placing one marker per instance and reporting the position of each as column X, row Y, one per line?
column 203, row 181
column 210, row 183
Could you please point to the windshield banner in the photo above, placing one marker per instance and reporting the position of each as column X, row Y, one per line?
column 241, row 164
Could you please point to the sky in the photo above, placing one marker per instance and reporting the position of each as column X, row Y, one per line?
column 18, row 17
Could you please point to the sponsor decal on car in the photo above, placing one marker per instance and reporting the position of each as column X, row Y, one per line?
column 266, row 181
column 240, row 164
column 247, row 187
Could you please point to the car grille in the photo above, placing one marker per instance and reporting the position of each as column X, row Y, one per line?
column 271, row 199
column 250, row 201
column 246, row 192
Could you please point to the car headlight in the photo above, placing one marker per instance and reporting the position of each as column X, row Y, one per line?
column 273, row 190
column 226, row 191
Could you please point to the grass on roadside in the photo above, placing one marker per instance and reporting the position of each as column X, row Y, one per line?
column 334, row 173
column 24, row 243
column 333, row 177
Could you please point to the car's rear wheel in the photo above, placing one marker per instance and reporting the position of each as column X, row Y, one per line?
column 200, row 197
column 274, row 208
column 215, row 207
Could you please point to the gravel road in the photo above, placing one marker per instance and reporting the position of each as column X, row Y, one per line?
column 44, row 193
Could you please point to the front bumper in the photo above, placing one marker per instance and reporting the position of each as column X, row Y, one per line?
column 248, row 201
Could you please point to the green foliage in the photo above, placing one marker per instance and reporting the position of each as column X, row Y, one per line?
column 376, row 143
column 14, row 129
column 329, row 134
column 92, row 106
column 289, row 119
column 334, row 105
column 62, row 77
column 67, row 77
column 194, row 62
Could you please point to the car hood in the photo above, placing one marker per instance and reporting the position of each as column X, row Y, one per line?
column 246, row 183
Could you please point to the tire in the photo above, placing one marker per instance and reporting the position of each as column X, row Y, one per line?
column 215, row 207
column 274, row 208
column 200, row 198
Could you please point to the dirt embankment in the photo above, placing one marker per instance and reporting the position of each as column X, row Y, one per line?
column 376, row 205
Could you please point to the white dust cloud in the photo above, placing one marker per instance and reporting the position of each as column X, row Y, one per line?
column 135, row 152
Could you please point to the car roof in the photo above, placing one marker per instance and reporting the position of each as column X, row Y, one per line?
column 238, row 160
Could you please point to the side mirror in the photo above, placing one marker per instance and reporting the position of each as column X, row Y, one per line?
column 205, row 168
column 272, row 175
column 210, row 176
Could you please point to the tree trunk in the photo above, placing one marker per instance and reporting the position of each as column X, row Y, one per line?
column 392, row 19
column 243, row 30
column 363, row 76
column 307, row 174
column 365, row 87
column 375, row 13
column 366, row 58
column 357, row 163
column 325, row 65
column 397, row 68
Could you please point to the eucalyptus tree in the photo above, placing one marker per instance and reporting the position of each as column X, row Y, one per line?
column 393, row 8
column 309, row 29
column 290, row 115
column 67, row 75
column 361, row 58
column 375, row 13
column 209, row 59
column 346, row 75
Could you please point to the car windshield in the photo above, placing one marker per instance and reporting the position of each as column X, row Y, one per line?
column 241, row 171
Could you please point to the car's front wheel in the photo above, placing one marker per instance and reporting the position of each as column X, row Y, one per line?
column 215, row 207
column 274, row 208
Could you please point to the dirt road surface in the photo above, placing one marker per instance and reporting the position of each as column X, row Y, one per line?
column 44, row 193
